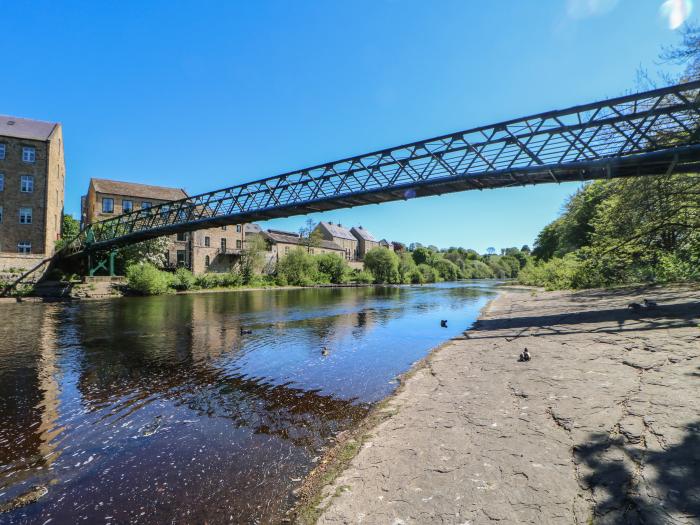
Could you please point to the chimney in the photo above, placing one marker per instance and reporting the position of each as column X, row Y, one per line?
column 340, row 225
column 330, row 222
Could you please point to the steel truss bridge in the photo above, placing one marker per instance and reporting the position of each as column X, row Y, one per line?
column 651, row 133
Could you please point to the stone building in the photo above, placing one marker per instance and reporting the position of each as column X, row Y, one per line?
column 341, row 236
column 279, row 243
column 32, row 181
column 212, row 249
column 365, row 241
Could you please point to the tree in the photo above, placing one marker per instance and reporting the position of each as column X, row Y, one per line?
column 447, row 269
column 423, row 256
column 152, row 251
column 491, row 250
column 407, row 267
column 70, row 228
column 252, row 257
column 383, row 264
column 334, row 267
column 311, row 237
column 297, row 268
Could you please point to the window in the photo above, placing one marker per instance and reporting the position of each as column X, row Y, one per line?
column 24, row 247
column 238, row 244
column 164, row 210
column 207, row 242
column 223, row 245
column 223, row 228
column 145, row 205
column 26, row 184
column 0, row 214
column 181, row 258
column 127, row 206
column 29, row 154
column 206, row 261
column 2, row 182
column 238, row 228
column 181, row 236
column 2, row 151
column 107, row 205
column 25, row 215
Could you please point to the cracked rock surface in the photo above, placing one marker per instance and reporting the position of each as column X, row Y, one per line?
column 601, row 426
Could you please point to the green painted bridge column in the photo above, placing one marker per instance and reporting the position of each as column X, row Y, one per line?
column 106, row 264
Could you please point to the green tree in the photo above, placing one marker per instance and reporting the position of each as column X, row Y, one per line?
column 423, row 255
column 297, row 268
column 447, row 269
column 334, row 267
column 310, row 235
column 383, row 264
column 252, row 258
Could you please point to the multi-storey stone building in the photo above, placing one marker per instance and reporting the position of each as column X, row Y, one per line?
column 341, row 236
column 208, row 250
column 32, row 181
column 365, row 241
column 279, row 243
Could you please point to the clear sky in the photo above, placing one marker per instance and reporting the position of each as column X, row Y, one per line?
column 203, row 95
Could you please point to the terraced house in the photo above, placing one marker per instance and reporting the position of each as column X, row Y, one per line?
column 208, row 250
column 32, row 181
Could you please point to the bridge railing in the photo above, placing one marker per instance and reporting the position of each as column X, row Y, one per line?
column 616, row 128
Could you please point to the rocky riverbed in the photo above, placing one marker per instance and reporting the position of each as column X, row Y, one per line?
column 602, row 425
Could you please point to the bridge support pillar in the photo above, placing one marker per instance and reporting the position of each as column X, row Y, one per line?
column 105, row 263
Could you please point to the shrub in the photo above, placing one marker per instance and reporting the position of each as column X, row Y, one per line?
column 218, row 280
column 429, row 274
column 183, row 279
column 362, row 277
column 415, row 276
column 146, row 279
column 448, row 270
column 557, row 273
column 298, row 268
column 476, row 270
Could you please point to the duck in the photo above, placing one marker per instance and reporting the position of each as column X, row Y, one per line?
column 325, row 352
column 443, row 323
column 650, row 305
column 525, row 356
column 635, row 307
column 246, row 332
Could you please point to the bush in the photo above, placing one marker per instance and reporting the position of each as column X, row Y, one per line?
column 383, row 264
column 183, row 279
column 362, row 277
column 476, row 270
column 332, row 267
column 415, row 276
column 557, row 273
column 297, row 268
column 146, row 279
column 428, row 273
column 218, row 280
column 448, row 270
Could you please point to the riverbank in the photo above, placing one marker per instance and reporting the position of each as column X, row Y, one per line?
column 602, row 424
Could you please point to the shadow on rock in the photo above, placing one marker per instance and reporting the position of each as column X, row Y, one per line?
column 631, row 484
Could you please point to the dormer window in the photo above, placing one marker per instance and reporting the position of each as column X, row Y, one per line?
column 29, row 154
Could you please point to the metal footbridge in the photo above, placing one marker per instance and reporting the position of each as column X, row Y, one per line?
column 650, row 133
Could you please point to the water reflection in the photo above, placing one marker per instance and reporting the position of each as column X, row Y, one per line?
column 159, row 409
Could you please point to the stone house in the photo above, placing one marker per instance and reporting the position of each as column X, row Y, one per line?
column 208, row 250
column 280, row 243
column 32, row 182
column 341, row 236
column 365, row 241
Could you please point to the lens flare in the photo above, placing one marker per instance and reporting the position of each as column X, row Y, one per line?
column 409, row 194
column 677, row 12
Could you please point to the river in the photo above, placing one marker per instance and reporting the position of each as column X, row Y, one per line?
column 159, row 410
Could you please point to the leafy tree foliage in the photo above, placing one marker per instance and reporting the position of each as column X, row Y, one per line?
column 383, row 264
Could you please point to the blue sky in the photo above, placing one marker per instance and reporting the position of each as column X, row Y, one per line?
column 203, row 95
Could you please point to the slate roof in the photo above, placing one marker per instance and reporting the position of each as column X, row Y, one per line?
column 24, row 128
column 133, row 189
column 363, row 234
column 252, row 228
column 338, row 231
column 294, row 238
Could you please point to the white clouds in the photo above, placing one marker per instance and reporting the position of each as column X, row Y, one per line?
column 586, row 8
column 677, row 12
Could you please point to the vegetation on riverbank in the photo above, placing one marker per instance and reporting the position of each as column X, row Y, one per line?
column 300, row 268
column 623, row 231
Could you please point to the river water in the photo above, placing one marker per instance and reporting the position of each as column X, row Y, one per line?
column 158, row 410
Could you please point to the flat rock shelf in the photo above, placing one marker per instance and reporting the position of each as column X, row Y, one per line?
column 601, row 426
